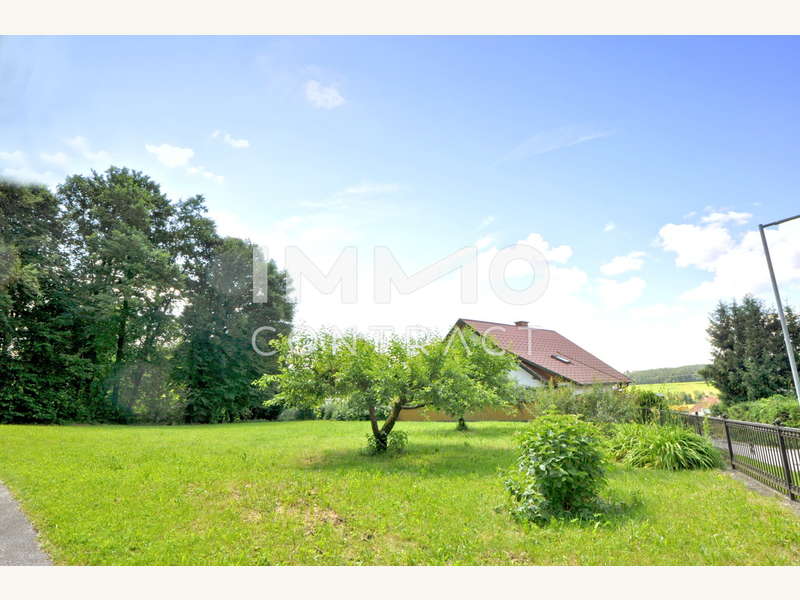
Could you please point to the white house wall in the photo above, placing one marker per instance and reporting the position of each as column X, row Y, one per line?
column 522, row 377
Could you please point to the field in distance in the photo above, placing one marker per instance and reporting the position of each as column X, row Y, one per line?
column 682, row 387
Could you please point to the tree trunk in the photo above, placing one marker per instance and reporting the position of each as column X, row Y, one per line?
column 382, row 433
column 380, row 438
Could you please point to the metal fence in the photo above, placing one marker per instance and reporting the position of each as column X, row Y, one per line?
column 767, row 453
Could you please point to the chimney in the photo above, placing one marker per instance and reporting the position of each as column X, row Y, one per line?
column 521, row 323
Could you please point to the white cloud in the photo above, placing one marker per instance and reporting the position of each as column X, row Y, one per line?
column 25, row 174
column 171, row 156
column 615, row 294
column 739, row 218
column 610, row 226
column 203, row 172
column 743, row 269
column 56, row 158
column 230, row 140
column 738, row 266
column 81, row 145
column 632, row 261
column 486, row 222
column 695, row 245
column 556, row 254
column 16, row 156
column 322, row 96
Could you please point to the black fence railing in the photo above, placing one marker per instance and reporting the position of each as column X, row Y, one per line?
column 768, row 453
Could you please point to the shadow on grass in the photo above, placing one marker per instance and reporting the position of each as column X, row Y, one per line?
column 420, row 459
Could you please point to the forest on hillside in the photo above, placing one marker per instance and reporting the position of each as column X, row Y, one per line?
column 667, row 374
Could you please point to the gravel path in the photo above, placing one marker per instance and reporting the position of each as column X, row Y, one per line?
column 18, row 542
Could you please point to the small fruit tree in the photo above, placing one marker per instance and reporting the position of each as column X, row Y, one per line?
column 455, row 375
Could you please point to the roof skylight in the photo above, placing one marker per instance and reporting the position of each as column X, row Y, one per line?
column 562, row 358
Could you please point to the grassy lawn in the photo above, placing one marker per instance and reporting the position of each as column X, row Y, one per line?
column 299, row 493
column 686, row 387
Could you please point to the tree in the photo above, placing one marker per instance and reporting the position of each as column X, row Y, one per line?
column 453, row 376
column 749, row 355
column 40, row 368
column 216, row 361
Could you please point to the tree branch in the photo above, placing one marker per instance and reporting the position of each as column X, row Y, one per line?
column 413, row 406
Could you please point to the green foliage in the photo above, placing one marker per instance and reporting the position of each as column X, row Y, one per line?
column 378, row 379
column 216, row 362
column 396, row 443
column 667, row 374
column 117, row 304
column 296, row 414
column 648, row 404
column 749, row 355
column 599, row 404
column 775, row 410
column 559, row 472
column 339, row 410
column 662, row 447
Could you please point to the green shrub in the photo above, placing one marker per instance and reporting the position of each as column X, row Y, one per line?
column 648, row 404
column 337, row 410
column 775, row 410
column 598, row 404
column 671, row 447
column 296, row 414
column 559, row 471
column 395, row 444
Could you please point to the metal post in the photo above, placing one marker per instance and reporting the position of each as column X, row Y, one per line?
column 785, row 460
column 787, row 340
column 730, row 445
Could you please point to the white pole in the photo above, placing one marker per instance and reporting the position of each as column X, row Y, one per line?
column 784, row 327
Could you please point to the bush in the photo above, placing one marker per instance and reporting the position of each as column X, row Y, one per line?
column 296, row 414
column 337, row 410
column 598, row 404
column 395, row 444
column 648, row 404
column 670, row 447
column 775, row 410
column 559, row 471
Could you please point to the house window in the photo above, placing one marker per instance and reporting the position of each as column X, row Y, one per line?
column 562, row 358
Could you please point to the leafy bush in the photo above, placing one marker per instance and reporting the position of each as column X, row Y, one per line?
column 663, row 447
column 559, row 471
column 599, row 404
column 296, row 414
column 775, row 410
column 648, row 404
column 338, row 410
column 395, row 444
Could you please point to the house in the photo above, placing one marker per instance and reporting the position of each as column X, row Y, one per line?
column 701, row 408
column 544, row 356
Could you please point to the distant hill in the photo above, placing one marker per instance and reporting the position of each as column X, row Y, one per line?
column 667, row 375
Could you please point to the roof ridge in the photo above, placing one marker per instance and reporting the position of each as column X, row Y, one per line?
column 506, row 324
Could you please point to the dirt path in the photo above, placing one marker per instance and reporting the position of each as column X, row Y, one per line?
column 18, row 542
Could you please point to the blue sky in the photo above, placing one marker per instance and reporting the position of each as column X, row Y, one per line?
column 662, row 153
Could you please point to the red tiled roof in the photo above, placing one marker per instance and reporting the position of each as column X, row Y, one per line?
column 538, row 347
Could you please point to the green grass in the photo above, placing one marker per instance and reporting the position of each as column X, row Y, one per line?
column 299, row 493
column 684, row 387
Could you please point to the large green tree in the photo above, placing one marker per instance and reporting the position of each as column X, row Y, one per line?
column 41, row 369
column 117, row 303
column 455, row 376
column 226, row 335
column 748, row 350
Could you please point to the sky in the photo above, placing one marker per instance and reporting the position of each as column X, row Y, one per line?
column 639, row 168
